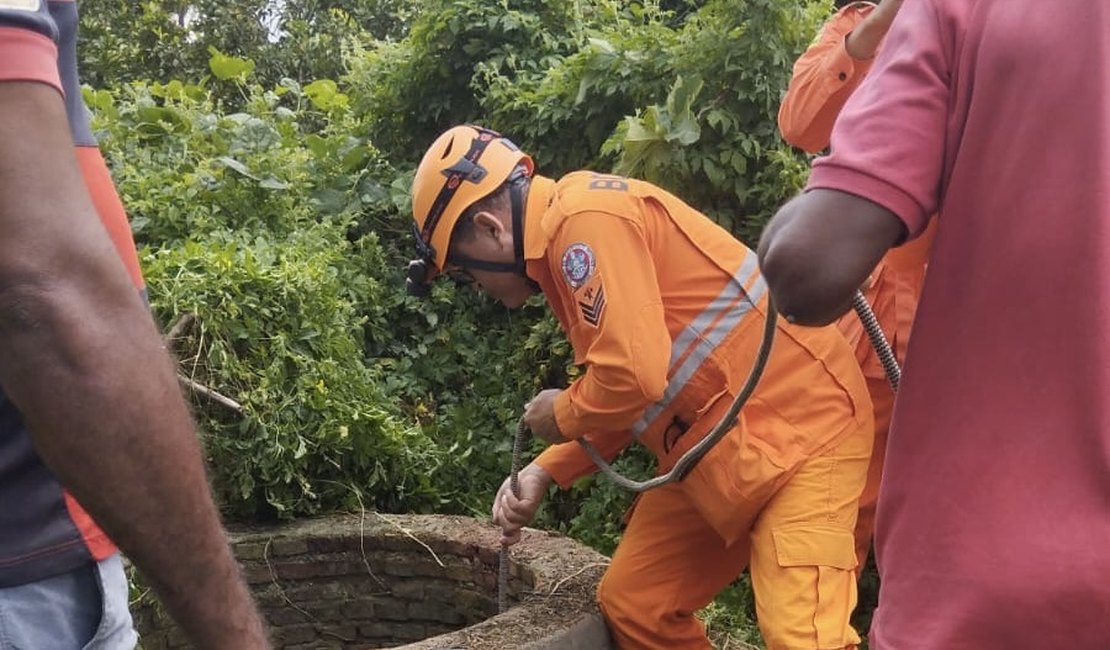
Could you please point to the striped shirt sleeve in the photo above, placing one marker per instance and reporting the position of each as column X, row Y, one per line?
column 28, row 42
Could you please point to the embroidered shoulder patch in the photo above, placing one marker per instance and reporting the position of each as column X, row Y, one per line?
column 591, row 301
column 578, row 264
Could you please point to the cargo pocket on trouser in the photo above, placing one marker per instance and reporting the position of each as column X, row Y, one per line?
column 805, row 587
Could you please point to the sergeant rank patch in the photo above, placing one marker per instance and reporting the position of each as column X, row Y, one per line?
column 591, row 301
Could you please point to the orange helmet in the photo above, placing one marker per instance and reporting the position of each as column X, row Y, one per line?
column 463, row 166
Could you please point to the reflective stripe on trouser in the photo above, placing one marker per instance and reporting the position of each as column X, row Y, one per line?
column 672, row 561
column 84, row 609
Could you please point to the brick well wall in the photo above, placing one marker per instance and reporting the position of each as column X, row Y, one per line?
column 377, row 581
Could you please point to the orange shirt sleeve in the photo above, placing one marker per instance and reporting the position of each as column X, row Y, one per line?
column 823, row 79
column 914, row 254
column 106, row 200
column 603, row 266
column 566, row 463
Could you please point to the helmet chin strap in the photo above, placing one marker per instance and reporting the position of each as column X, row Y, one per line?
column 518, row 266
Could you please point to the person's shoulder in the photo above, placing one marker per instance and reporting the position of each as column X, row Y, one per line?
column 572, row 180
column 594, row 193
column 590, row 191
column 28, row 47
column 31, row 15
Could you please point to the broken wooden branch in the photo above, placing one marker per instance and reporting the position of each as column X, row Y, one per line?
column 201, row 389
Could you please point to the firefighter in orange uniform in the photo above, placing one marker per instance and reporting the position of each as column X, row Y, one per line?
column 825, row 76
column 665, row 310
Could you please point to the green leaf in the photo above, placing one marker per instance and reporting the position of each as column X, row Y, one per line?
column 324, row 94
column 236, row 166
column 272, row 183
column 318, row 145
column 684, row 124
column 162, row 119
column 329, row 201
column 229, row 67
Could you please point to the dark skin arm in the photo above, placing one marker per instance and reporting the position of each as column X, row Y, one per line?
column 819, row 249
column 81, row 358
column 864, row 40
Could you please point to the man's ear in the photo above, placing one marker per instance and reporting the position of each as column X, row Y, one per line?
column 489, row 226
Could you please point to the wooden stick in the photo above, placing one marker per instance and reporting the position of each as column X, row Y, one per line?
column 201, row 389
column 178, row 329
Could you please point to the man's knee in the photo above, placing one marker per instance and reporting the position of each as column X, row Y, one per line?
column 647, row 619
column 614, row 598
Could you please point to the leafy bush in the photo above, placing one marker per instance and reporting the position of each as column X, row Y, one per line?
column 277, row 330
column 434, row 77
column 267, row 179
column 247, row 221
column 185, row 166
column 714, row 138
column 565, row 110
column 154, row 40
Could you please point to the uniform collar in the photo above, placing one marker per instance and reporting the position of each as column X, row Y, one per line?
column 540, row 192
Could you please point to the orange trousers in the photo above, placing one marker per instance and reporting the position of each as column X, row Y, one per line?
column 793, row 526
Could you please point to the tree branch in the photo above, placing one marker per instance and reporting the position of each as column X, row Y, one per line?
column 201, row 389
column 177, row 330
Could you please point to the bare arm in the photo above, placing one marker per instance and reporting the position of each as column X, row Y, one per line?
column 81, row 358
column 823, row 78
column 829, row 72
column 864, row 40
column 819, row 249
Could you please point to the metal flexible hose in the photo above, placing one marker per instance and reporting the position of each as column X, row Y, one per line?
column 878, row 340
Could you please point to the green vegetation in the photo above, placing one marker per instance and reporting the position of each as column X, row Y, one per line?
column 265, row 156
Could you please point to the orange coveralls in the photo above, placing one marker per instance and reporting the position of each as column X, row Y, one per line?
column 665, row 311
column 824, row 77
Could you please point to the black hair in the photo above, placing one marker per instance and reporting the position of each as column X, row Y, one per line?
column 495, row 202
